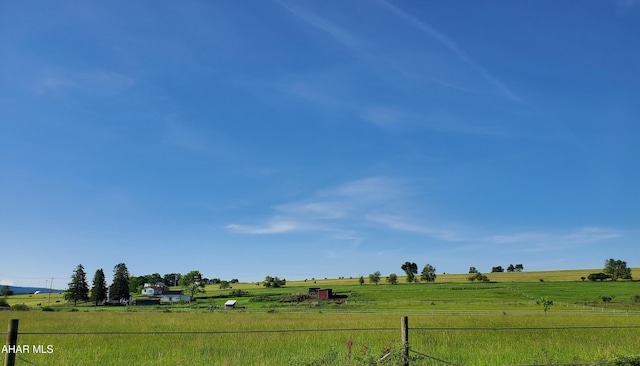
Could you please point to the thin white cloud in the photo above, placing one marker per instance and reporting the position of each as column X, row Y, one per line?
column 384, row 116
column 52, row 81
column 453, row 47
column 334, row 210
column 339, row 33
column 402, row 224
column 627, row 4
column 550, row 241
column 182, row 135
column 274, row 227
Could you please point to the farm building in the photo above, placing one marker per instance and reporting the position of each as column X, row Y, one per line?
column 153, row 289
column 230, row 304
column 325, row 294
column 313, row 291
column 171, row 296
column 148, row 301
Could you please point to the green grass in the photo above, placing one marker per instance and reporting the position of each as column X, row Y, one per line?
column 477, row 347
column 487, row 311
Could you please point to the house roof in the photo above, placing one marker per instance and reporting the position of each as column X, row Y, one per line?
column 230, row 302
column 172, row 292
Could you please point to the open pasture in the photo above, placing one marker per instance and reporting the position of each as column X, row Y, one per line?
column 280, row 338
column 464, row 323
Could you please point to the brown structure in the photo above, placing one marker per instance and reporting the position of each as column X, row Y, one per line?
column 325, row 294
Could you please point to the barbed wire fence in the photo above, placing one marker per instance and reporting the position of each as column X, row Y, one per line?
column 12, row 336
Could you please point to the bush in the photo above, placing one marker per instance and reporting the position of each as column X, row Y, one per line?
column 238, row 293
column 624, row 361
column 264, row 298
column 47, row 308
column 635, row 299
column 598, row 277
column 20, row 307
column 3, row 302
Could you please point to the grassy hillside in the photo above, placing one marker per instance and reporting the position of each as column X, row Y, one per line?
column 452, row 319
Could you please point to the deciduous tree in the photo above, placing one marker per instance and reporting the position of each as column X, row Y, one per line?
column 374, row 277
column 171, row 279
column 6, row 291
column 392, row 279
column 598, row 277
column 411, row 269
column 192, row 283
column 478, row 277
column 617, row 269
column 428, row 273
column 546, row 304
column 274, row 282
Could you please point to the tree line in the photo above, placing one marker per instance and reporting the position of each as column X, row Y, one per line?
column 123, row 284
column 410, row 269
column 614, row 269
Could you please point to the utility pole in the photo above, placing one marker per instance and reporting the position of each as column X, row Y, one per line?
column 50, row 287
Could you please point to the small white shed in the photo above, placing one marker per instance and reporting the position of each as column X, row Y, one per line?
column 230, row 304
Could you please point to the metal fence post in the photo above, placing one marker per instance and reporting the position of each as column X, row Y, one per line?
column 12, row 341
column 405, row 340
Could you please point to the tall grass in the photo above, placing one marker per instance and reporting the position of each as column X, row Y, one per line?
column 429, row 334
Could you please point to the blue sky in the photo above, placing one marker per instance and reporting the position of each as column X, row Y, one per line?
column 318, row 139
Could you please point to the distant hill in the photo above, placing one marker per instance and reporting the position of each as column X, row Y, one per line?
column 17, row 290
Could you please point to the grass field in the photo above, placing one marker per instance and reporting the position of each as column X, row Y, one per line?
column 497, row 323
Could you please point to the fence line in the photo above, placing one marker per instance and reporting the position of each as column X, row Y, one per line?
column 12, row 334
column 303, row 330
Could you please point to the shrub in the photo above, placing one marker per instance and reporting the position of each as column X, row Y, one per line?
column 606, row 299
column 3, row 302
column 47, row 308
column 264, row 298
column 599, row 277
column 635, row 299
column 624, row 361
column 20, row 307
column 238, row 293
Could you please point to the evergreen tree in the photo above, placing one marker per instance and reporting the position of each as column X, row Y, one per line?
column 99, row 289
column 78, row 287
column 120, row 286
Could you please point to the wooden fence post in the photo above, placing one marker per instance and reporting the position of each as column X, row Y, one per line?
column 405, row 340
column 12, row 341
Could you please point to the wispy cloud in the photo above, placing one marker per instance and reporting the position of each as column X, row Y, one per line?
column 548, row 241
column 341, row 34
column 627, row 4
column 402, row 224
column 334, row 210
column 54, row 81
column 272, row 227
column 349, row 212
column 453, row 47
column 182, row 135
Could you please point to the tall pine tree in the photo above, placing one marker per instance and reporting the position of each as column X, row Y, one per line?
column 120, row 286
column 78, row 287
column 99, row 289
